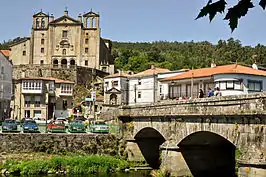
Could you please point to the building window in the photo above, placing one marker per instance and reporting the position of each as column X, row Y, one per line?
column 255, row 86
column 64, row 52
column 161, row 89
column 31, row 85
column 24, row 53
column 104, row 69
column 42, row 50
column 107, row 84
column 64, row 34
column 86, row 50
column 139, row 82
column 37, row 102
column 27, row 101
column 86, row 41
column 42, row 41
column 43, row 23
column 27, row 113
column 229, row 85
column 115, row 83
column 41, row 62
column 37, row 23
column 37, row 114
column 87, row 34
column 51, row 87
column 86, row 62
column 2, row 70
column 66, row 89
column 64, row 104
column 139, row 94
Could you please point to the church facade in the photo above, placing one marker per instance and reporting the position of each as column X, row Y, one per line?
column 64, row 42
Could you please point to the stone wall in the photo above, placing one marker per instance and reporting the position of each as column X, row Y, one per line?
column 59, row 143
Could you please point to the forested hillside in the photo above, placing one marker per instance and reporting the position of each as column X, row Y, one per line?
column 176, row 55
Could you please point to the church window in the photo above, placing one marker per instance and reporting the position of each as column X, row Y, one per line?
column 42, row 41
column 64, row 52
column 24, row 53
column 42, row 50
column 43, row 23
column 86, row 50
column 64, row 34
column 37, row 23
column 41, row 62
column 86, row 41
column 86, row 62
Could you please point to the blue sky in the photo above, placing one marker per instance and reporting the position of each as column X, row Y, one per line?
column 138, row 20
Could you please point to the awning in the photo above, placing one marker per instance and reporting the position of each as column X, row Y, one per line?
column 226, row 79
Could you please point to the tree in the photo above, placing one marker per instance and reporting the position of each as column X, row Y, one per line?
column 233, row 14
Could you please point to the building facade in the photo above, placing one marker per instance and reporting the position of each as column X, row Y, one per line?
column 42, row 98
column 232, row 79
column 5, row 86
column 64, row 42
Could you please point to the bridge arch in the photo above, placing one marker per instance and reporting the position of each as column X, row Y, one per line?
column 149, row 141
column 208, row 154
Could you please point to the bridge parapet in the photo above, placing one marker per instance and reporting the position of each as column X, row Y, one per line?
column 250, row 104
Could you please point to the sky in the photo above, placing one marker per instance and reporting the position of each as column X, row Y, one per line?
column 138, row 20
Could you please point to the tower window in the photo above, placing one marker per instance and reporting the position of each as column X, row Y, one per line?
column 42, row 41
column 37, row 23
column 42, row 50
column 86, row 62
column 43, row 23
column 24, row 53
column 86, row 41
column 86, row 50
column 64, row 52
column 64, row 34
column 41, row 62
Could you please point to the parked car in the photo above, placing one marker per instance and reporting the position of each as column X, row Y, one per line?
column 56, row 126
column 99, row 126
column 77, row 126
column 9, row 125
column 64, row 119
column 30, row 125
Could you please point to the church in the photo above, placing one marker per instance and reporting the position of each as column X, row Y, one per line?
column 64, row 42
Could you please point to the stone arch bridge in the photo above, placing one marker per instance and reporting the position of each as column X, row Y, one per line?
column 202, row 137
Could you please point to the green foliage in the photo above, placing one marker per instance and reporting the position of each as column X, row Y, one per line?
column 72, row 165
column 178, row 55
column 234, row 13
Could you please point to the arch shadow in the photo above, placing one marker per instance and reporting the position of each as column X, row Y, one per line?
column 149, row 141
column 208, row 154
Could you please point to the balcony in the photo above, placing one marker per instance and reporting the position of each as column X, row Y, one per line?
column 29, row 91
column 65, row 93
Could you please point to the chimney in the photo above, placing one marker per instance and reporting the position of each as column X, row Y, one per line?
column 80, row 18
column 51, row 18
column 255, row 66
column 213, row 65
column 152, row 66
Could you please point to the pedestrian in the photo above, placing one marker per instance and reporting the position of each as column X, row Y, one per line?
column 201, row 94
column 210, row 92
column 217, row 92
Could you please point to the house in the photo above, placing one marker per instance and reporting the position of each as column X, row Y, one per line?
column 5, row 85
column 39, row 97
column 232, row 79
column 141, row 88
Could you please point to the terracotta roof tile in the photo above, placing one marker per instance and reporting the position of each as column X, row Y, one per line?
column 150, row 72
column 100, row 98
column 225, row 69
column 59, row 81
column 118, row 75
column 6, row 52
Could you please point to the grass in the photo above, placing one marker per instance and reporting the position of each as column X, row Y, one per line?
column 88, row 164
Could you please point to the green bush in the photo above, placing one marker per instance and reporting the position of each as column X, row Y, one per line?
column 89, row 164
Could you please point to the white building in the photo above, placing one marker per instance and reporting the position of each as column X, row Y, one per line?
column 5, row 86
column 232, row 79
column 141, row 88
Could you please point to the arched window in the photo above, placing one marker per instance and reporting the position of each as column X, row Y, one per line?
column 113, row 99
column 55, row 63
column 63, row 63
column 42, row 41
column 64, row 52
column 72, row 63
column 43, row 23
column 37, row 22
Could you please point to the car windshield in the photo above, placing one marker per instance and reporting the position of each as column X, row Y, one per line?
column 9, row 121
column 58, row 122
column 77, row 122
column 30, row 122
column 100, row 123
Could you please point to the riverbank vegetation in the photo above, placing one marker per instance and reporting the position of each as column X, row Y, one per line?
column 71, row 164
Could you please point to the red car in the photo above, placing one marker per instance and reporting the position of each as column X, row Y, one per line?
column 56, row 126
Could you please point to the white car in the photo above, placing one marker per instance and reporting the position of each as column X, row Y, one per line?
column 63, row 119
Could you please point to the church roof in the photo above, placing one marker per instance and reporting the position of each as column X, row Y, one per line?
column 90, row 14
column 40, row 14
column 65, row 17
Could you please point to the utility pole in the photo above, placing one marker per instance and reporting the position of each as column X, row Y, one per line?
column 192, row 83
column 93, row 92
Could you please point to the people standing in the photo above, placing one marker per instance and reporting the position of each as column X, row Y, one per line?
column 201, row 94
column 217, row 92
column 210, row 92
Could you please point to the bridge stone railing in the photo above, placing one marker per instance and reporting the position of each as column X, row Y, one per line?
column 249, row 104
